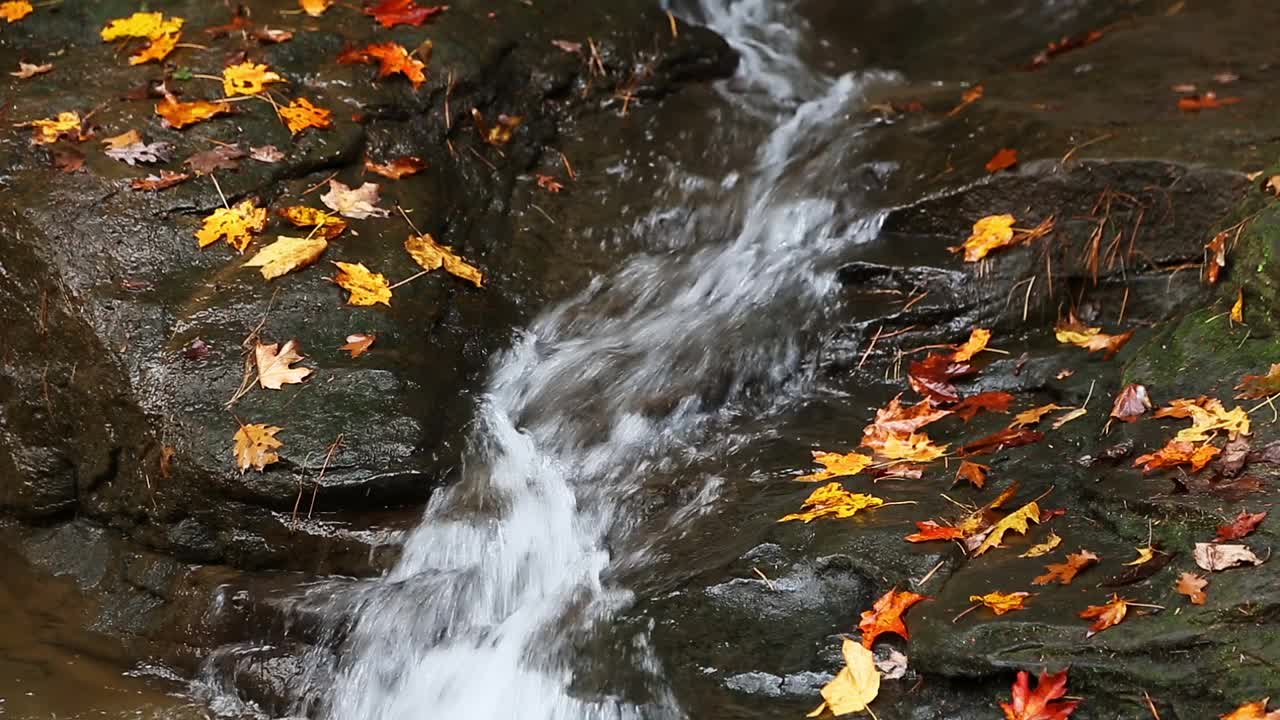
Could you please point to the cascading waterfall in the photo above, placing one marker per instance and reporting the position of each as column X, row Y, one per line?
column 508, row 566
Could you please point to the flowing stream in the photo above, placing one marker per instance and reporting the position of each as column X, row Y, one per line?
column 514, row 565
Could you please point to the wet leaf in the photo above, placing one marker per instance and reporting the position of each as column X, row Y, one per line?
column 1131, row 403
column 256, row 446
column 1207, row 101
column 129, row 148
column 392, row 58
column 995, row 401
column 1033, row 416
column 327, row 225
column 50, row 130
column 1215, row 257
column 1018, row 521
column 1237, row 310
column 223, row 157
column 181, row 114
column 854, row 687
column 359, row 203
column 275, row 365
column 358, row 344
column 832, row 500
column 567, row 46
column 1208, row 417
column 1145, row 555
column 1256, row 710
column 26, row 71
column 1192, row 586
column 1000, row 440
column 989, row 233
column 894, row 419
column 1214, row 557
column 550, row 184
column 149, row 25
column 14, row 10
column 237, row 224
column 1075, row 414
column 916, row 448
column 1044, row 703
column 301, row 114
column 1176, row 453
column 1254, row 387
column 365, row 286
column 390, row 13
column 155, row 183
column 247, row 78
column 836, row 465
column 1074, row 332
column 1049, row 545
column 266, row 154
column 1244, row 525
column 1064, row 573
column 932, row 377
column 885, row 616
column 1002, row 160
column 431, row 255
column 929, row 531
column 287, row 254
column 69, row 159
column 967, row 98
column 1065, row 44
column 158, row 50
column 977, row 342
column 973, row 473
column 1106, row 616
column 502, row 130
column 1001, row 603
column 315, row 8
column 398, row 168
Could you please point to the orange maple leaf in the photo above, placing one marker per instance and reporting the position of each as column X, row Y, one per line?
column 1256, row 710
column 929, row 531
column 1192, row 585
column 1001, row 603
column 885, row 616
column 1106, row 616
column 181, row 114
column 301, row 114
column 1064, row 573
column 1005, row 158
column 398, row 168
column 974, row 473
column 1177, row 453
column 1043, row 703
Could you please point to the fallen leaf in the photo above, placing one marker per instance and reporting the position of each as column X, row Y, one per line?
column 166, row 461
column 894, row 419
column 836, row 465
column 150, row 25
column 237, row 224
column 301, row 114
column 1001, row 603
column 129, row 148
column 1075, row 414
column 967, row 98
column 1106, row 616
column 256, row 446
column 1145, row 555
column 1192, row 586
column 1215, row 257
column 1018, row 521
column 69, row 159
column 502, row 130
column 27, row 71
column 932, row 377
column 885, row 616
column 181, row 114
column 1064, row 573
column 158, row 50
column 832, row 500
column 358, row 344
column 365, row 286
column 287, row 254
column 977, row 342
column 266, row 154
column 1063, row 45
column 272, row 35
column 1000, row 440
column 917, row 448
column 390, row 13
column 14, row 10
column 1244, row 524
column 1044, row 548
column 893, row 666
column 974, row 473
column 360, row 203
column 1256, row 710
column 1214, row 557
column 315, row 8
column 1208, row 417
column 1073, row 332
column 247, row 78
column 550, row 184
column 1044, row 703
column 154, row 183
column 1131, row 403
column 1176, row 453
column 567, row 46
column 1237, row 310
column 855, row 686
column 223, row 157
column 327, row 225
column 50, row 130
column 1004, row 159
column 431, row 255
column 989, row 233
column 274, row 365
column 1206, row 101
column 928, row 531
column 1254, row 387
column 1033, row 416
column 392, row 58
column 398, row 168
column 995, row 401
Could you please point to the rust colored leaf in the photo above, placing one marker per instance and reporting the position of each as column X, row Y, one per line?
column 1206, row 101
column 967, row 98
column 1065, row 44
column 894, row 419
column 1237, row 310
column 328, row 225
column 550, row 184
column 390, row 13
column 358, row 344
column 1000, row 440
column 1244, row 524
column 1215, row 252
column 1214, row 557
column 1192, row 585
column 1064, row 573
column 1002, row 160
column 1074, row 332
column 1106, row 616
column 1044, row 703
column 155, row 183
column 885, row 616
column 994, row 401
column 1254, row 387
column 1131, row 403
column 928, row 531
column 932, row 377
column 392, row 58
column 1256, row 710
column 399, row 168
column 973, row 473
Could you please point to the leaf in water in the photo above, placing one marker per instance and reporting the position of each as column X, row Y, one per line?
column 549, row 183
column 1073, row 332
column 932, row 377
column 1049, row 545
column 360, row 203
column 365, row 286
column 1044, row 703
column 1064, row 573
column 223, row 157
column 287, row 254
column 928, row 531
column 398, row 168
column 836, row 465
column 1002, row 160
column 431, row 255
column 50, row 130
column 855, row 686
column 1192, row 585
column 1244, row 524
column 358, row 344
column 832, row 500
column 1254, row 387
column 894, row 419
column 968, row 408
column 158, row 50
column 1018, row 521
column 1214, row 557
column 392, row 58
column 1001, row 603
column 301, row 114
column 256, row 446
column 315, row 8
column 275, row 365
column 181, row 114
column 1106, row 616
column 1237, row 310
column 237, row 224
column 150, row 25
column 885, row 616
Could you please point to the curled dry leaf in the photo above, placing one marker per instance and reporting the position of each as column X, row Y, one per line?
column 365, row 286
column 256, row 446
column 237, row 224
column 275, row 365
column 327, row 225
column 1131, row 403
column 301, row 114
column 1044, row 703
column 1106, row 616
column 287, row 254
column 1192, row 585
column 358, row 344
column 181, row 114
column 359, row 203
column 26, row 70
column 885, row 616
column 1002, row 160
column 967, row 98
column 431, row 255
column 398, row 168
column 247, row 78
column 390, row 13
column 832, row 500
column 1244, row 525
column 1064, row 573
column 854, row 687
column 836, row 465
column 1214, row 557
column 155, row 183
column 1001, row 603
column 1049, row 545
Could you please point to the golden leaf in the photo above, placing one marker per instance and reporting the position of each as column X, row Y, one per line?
column 287, row 254
column 327, row 225
column 976, row 343
column 236, row 223
column 1027, row 418
column 1145, row 555
column 15, row 10
column 301, row 114
column 181, row 114
column 1017, row 521
column 247, row 78
column 989, row 233
column 256, row 446
column 158, row 50
column 1001, row 603
column 48, row 130
column 366, row 287
column 1105, row 616
column 274, row 365
column 916, row 447
column 150, row 25
column 432, row 255
column 315, row 8
column 1043, row 548
column 855, row 686
column 1237, row 310
column 832, row 500
column 836, row 465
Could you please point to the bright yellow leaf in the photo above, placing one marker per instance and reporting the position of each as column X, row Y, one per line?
column 836, row 465
column 48, row 130
column 247, row 78
column 1017, row 521
column 366, row 287
column 855, row 686
column 287, row 254
column 326, row 224
column 142, row 25
column 431, row 255
column 1001, row 603
column 1208, row 417
column 301, row 114
column 1145, row 555
column 237, row 224
column 976, row 343
column 256, row 446
column 916, row 447
column 989, row 233
column 315, row 8
column 15, row 10
column 158, row 50
column 832, row 500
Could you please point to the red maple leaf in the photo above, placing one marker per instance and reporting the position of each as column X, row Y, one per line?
column 1041, row 704
column 390, row 13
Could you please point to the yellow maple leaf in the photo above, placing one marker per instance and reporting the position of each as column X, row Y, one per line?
column 1145, row 555
column 1001, row 603
column 247, row 78
column 855, row 686
column 142, row 25
column 1017, row 521
column 989, row 233
column 274, row 365
column 431, row 255
column 301, row 114
column 976, row 343
column 158, row 50
column 181, row 114
column 366, row 287
column 256, row 446
column 315, row 8
column 916, row 447
column 837, row 465
column 832, row 499
column 287, row 254
column 326, row 224
column 15, row 10
column 48, row 130
column 236, row 223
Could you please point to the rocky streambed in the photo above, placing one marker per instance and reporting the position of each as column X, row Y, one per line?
column 125, row 341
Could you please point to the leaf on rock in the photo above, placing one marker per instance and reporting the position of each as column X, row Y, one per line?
column 994, row 401
column 1237, row 310
column 1002, row 160
column 398, row 168
column 977, row 342
column 1064, row 573
column 327, row 225
column 1254, row 387
column 287, row 254
column 26, row 70
column 929, row 531
column 1207, row 101
column 266, row 154
column 1044, row 703
column 1215, row 257
column 1256, row 710
column 181, row 114
column 836, row 465
column 1244, row 524
column 1075, row 414
column 1001, row 603
column 854, row 687
column 360, row 203
column 1145, row 555
column 358, row 344
column 223, row 157
column 996, row 232
column 50, row 130
column 301, row 114
column 1131, row 403
column 1027, row 418
column 155, row 183
column 247, row 78
column 69, row 159
column 1018, row 521
column 885, row 616
column 431, row 255
column 1073, row 332
column 158, row 50
column 1049, row 545
column 365, row 286
column 834, row 501
column 315, row 8
column 502, row 130
column 390, row 13
column 932, row 377
column 237, row 224
column 1176, row 453
column 1208, row 417
column 256, row 446
column 549, row 183
column 392, row 58
column 1106, row 616
column 1192, row 585
column 129, row 147
column 1000, row 440
column 894, row 419
column 150, row 25
column 1214, row 557
column 973, row 473
column 14, row 10
column 917, row 448
column 275, row 365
